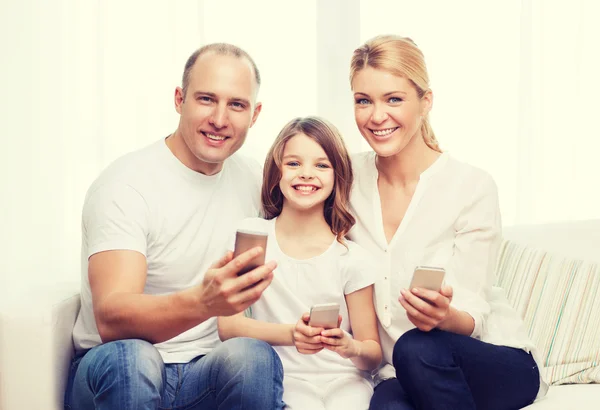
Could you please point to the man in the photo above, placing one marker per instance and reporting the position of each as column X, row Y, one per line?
column 153, row 222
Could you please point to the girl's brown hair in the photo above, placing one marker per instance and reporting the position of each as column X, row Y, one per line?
column 399, row 56
column 335, row 210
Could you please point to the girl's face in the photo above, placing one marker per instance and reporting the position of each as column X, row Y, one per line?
column 388, row 110
column 307, row 177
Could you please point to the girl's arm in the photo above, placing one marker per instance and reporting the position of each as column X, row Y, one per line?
column 306, row 339
column 241, row 326
column 363, row 349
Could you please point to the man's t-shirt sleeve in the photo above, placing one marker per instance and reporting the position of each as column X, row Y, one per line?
column 115, row 217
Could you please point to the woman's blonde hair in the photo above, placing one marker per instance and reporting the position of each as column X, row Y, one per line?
column 335, row 210
column 399, row 56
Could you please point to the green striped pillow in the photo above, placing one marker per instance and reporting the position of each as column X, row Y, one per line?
column 557, row 298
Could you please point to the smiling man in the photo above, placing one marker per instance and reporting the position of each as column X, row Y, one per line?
column 155, row 224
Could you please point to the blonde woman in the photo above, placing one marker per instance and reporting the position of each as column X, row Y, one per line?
column 462, row 347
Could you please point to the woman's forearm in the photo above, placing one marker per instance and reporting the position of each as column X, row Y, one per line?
column 459, row 322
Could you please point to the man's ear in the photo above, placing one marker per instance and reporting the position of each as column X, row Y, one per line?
column 179, row 97
column 257, row 110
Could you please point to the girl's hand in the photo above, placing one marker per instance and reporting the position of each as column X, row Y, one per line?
column 340, row 342
column 307, row 339
column 427, row 309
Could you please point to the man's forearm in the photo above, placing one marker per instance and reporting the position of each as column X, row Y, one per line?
column 154, row 318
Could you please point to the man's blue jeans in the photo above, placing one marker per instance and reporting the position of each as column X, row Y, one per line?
column 240, row 374
column 439, row 370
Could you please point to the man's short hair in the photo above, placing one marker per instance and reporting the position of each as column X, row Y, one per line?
column 221, row 49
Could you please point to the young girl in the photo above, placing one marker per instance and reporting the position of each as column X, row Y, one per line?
column 463, row 347
column 306, row 186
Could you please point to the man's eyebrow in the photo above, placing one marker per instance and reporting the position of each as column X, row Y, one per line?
column 213, row 95
column 240, row 100
column 208, row 94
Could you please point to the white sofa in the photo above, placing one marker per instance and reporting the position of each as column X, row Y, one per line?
column 36, row 345
column 579, row 240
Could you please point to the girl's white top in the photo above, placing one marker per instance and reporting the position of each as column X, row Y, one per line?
column 453, row 222
column 299, row 284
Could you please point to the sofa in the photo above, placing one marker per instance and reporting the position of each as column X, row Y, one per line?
column 551, row 275
column 36, row 345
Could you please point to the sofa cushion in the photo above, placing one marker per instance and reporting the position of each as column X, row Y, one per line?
column 569, row 396
column 556, row 297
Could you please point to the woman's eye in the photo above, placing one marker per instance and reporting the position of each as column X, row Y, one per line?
column 395, row 100
column 362, row 101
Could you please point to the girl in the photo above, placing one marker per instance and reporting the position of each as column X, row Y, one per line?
column 306, row 186
column 463, row 347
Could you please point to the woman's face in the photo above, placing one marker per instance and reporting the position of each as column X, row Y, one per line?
column 388, row 110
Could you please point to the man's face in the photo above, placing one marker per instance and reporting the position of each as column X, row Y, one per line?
column 215, row 114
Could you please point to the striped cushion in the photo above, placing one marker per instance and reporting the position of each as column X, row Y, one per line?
column 557, row 298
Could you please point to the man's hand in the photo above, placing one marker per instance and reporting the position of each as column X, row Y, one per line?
column 224, row 293
column 426, row 309
column 307, row 339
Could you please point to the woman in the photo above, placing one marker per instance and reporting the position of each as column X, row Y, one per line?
column 462, row 347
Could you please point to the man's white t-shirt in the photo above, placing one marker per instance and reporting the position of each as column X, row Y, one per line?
column 299, row 284
column 180, row 220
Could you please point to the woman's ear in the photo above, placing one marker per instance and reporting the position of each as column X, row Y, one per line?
column 426, row 103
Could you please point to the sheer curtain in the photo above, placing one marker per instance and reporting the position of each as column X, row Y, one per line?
column 559, row 138
column 515, row 87
column 84, row 82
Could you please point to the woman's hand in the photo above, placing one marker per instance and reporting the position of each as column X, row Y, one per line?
column 340, row 342
column 427, row 309
column 307, row 339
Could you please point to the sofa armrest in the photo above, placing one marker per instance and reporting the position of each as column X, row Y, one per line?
column 64, row 315
column 36, row 347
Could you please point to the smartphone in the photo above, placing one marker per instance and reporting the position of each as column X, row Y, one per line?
column 324, row 315
column 246, row 240
column 428, row 277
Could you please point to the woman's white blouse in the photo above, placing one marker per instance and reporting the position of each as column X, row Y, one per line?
column 453, row 222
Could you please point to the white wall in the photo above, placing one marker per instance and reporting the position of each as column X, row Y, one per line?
column 85, row 81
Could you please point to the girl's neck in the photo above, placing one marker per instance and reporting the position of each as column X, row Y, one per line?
column 405, row 168
column 302, row 224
